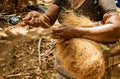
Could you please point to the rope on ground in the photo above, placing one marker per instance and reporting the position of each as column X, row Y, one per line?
column 16, row 75
column 39, row 51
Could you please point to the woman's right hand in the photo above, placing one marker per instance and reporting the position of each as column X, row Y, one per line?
column 36, row 19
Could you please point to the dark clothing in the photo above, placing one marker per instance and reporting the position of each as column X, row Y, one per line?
column 92, row 8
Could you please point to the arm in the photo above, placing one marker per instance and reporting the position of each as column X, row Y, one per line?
column 45, row 20
column 52, row 13
column 109, row 32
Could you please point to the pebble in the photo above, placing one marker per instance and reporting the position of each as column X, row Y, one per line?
column 47, row 1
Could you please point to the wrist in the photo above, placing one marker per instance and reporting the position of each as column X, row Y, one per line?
column 46, row 17
column 47, row 21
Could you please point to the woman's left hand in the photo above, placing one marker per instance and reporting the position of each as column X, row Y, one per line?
column 66, row 32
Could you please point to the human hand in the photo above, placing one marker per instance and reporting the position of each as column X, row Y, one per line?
column 36, row 19
column 66, row 32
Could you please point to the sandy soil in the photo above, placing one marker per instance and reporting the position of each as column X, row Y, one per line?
column 26, row 52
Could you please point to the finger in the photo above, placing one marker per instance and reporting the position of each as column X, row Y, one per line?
column 55, row 37
column 32, row 21
column 57, row 30
column 22, row 23
column 28, row 17
column 37, row 20
column 58, row 34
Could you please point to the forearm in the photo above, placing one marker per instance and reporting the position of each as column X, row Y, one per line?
column 109, row 32
column 52, row 13
column 105, row 33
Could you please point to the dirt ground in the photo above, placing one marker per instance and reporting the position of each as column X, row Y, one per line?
column 26, row 52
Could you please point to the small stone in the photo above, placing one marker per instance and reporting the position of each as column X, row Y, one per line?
column 47, row 1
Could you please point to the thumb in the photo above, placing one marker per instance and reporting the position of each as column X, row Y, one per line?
column 23, row 23
column 28, row 17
